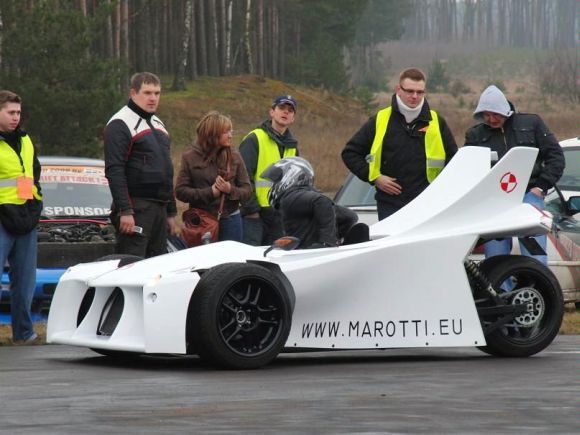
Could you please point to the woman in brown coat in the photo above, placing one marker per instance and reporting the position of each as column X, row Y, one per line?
column 212, row 167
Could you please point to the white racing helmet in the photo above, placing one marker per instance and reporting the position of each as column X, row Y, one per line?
column 288, row 173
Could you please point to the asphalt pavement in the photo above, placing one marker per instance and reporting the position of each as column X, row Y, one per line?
column 56, row 389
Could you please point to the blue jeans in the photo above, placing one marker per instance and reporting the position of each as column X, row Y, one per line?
column 20, row 251
column 231, row 228
column 504, row 246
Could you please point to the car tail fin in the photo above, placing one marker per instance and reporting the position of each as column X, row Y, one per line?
column 465, row 191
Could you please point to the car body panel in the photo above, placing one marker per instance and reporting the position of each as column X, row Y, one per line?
column 364, row 295
column 563, row 240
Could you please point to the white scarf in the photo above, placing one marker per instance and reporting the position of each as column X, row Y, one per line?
column 409, row 113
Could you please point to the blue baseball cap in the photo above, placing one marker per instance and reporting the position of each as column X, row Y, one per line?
column 285, row 99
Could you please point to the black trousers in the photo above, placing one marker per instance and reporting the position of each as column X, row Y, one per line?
column 152, row 217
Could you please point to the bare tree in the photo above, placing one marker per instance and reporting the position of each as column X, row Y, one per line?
column 275, row 42
column 179, row 78
column 82, row 5
column 124, row 40
column 260, row 45
column 192, row 52
column 247, row 42
column 212, row 38
column 201, row 39
column 1, row 34
column 566, row 15
column 228, row 38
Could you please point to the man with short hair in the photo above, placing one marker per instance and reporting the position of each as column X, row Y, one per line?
column 20, row 208
column 263, row 146
column 402, row 148
column 140, row 172
column 501, row 129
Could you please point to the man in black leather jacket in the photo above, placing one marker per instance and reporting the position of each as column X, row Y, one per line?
column 140, row 172
column 501, row 129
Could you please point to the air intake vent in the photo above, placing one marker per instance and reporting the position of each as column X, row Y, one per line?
column 112, row 312
column 85, row 304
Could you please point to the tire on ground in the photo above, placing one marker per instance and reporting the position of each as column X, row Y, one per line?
column 530, row 273
column 239, row 316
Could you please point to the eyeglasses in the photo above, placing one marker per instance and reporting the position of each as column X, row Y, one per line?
column 419, row 93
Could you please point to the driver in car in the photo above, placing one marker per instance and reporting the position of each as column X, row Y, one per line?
column 307, row 213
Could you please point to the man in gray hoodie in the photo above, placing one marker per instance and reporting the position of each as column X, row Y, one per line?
column 501, row 129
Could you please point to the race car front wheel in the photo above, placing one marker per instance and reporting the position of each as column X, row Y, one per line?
column 523, row 280
column 239, row 316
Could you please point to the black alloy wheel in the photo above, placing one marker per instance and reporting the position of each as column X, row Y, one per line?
column 522, row 280
column 239, row 316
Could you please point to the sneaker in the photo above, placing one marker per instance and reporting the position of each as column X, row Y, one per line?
column 32, row 340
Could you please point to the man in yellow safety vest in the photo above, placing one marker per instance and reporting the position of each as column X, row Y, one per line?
column 402, row 148
column 20, row 208
column 263, row 146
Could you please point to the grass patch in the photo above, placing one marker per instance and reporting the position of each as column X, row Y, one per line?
column 571, row 322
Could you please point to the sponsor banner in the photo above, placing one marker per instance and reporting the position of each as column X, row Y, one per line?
column 76, row 211
column 73, row 174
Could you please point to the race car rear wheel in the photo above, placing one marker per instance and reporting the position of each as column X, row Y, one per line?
column 523, row 280
column 239, row 316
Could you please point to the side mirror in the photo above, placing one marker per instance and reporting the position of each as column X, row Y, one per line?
column 573, row 205
column 286, row 243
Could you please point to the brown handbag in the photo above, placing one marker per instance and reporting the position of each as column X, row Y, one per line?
column 200, row 227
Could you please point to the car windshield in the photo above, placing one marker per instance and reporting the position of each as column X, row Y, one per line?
column 570, row 180
column 75, row 191
column 356, row 193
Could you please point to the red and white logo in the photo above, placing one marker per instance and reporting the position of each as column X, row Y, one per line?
column 508, row 182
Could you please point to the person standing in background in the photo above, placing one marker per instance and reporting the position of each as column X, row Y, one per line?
column 210, row 168
column 20, row 209
column 501, row 129
column 140, row 172
column 268, row 143
column 403, row 147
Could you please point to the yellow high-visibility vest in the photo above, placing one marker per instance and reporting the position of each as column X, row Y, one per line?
column 434, row 149
column 268, row 154
column 11, row 169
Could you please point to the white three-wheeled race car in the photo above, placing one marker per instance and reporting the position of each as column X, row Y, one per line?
column 407, row 281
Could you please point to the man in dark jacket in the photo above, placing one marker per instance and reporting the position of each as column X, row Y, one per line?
column 140, row 172
column 263, row 146
column 20, row 208
column 501, row 129
column 402, row 148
